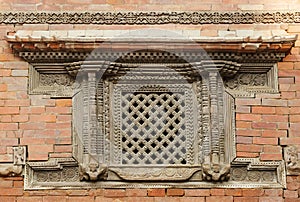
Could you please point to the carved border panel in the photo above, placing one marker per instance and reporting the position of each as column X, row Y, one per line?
column 150, row 18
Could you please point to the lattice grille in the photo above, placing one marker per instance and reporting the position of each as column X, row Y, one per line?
column 153, row 128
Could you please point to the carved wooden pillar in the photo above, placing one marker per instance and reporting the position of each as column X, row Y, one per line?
column 214, row 167
column 92, row 165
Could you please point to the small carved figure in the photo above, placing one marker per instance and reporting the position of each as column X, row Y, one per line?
column 292, row 161
column 216, row 172
column 93, row 172
column 19, row 155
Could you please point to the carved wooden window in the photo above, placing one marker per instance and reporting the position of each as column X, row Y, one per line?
column 152, row 118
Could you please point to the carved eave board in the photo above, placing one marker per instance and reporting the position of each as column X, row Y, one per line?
column 153, row 111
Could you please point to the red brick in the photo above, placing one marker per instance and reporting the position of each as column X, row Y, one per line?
column 289, row 141
column 59, row 110
column 294, row 110
column 242, row 109
column 253, row 192
column 20, row 118
column 274, row 102
column 192, row 199
column 42, row 118
column 274, row 133
column 293, row 186
column 3, row 87
column 247, row 154
column 233, row 192
column 11, row 191
column 6, row 183
column 175, row 192
column 246, row 199
column 54, row 199
column 8, row 198
column 197, row 192
column 114, row 193
column 78, row 192
column 250, row 133
column 249, row 148
column 156, row 192
column 64, row 103
column 5, row 72
column 30, row 199
column 244, row 140
column 217, row 192
column 288, row 95
column 219, row 198
column 8, row 126
column 263, row 110
column 270, row 199
column 285, row 65
column 275, row 118
column 272, row 149
column 266, row 157
column 18, row 184
column 248, row 101
column 136, row 192
column 264, row 125
column 32, row 110
column 263, row 140
column 294, row 118
column 287, row 80
column 273, row 192
column 62, row 148
column 290, row 194
column 243, row 124
column 80, row 199
column 31, row 126
column 9, row 110
column 248, row 117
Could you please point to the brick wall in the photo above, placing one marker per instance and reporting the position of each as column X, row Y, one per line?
column 265, row 124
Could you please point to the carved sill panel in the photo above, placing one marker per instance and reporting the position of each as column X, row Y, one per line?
column 151, row 118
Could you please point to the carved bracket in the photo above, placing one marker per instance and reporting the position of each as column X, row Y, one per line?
column 15, row 169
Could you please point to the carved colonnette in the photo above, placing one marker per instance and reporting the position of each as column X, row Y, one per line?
column 185, row 96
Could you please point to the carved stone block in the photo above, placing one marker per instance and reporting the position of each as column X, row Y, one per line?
column 292, row 160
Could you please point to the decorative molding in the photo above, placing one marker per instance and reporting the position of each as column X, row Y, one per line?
column 245, row 173
column 150, row 18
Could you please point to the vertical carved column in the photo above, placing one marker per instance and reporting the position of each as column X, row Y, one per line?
column 92, row 167
column 214, row 168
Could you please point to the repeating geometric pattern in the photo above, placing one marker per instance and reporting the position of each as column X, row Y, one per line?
column 153, row 128
column 247, row 17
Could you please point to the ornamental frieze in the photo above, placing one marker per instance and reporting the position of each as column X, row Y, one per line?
column 149, row 18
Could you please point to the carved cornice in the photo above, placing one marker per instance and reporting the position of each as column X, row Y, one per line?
column 141, row 18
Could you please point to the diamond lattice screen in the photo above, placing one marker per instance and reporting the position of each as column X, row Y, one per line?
column 153, row 128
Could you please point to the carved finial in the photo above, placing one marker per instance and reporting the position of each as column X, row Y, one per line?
column 93, row 171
